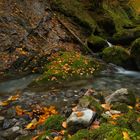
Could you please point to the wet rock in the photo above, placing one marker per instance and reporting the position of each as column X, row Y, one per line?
column 11, row 112
column 96, row 43
column 125, row 37
column 99, row 97
column 11, row 133
column 122, row 96
column 116, row 55
column 90, row 102
column 1, row 120
column 135, row 51
column 8, row 123
column 80, row 119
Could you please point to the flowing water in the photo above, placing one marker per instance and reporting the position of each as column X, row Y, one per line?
column 107, row 81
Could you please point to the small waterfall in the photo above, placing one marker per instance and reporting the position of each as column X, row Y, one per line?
column 123, row 71
column 109, row 44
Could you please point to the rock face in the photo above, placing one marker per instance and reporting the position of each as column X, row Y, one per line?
column 80, row 119
column 122, row 96
column 135, row 52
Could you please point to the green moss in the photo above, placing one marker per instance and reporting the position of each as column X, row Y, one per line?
column 96, row 43
column 126, row 36
column 111, row 132
column 81, row 134
column 54, row 123
column 91, row 102
column 129, row 121
column 68, row 65
column 119, row 15
column 76, row 10
column 116, row 55
column 120, row 107
column 135, row 51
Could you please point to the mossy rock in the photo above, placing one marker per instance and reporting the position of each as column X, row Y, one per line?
column 92, row 103
column 76, row 10
column 112, row 132
column 125, row 36
column 120, row 107
column 96, row 43
column 68, row 66
column 80, row 135
column 54, row 123
column 129, row 121
column 116, row 55
column 135, row 52
column 105, row 132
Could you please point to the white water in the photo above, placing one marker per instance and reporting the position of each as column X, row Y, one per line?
column 109, row 44
column 122, row 71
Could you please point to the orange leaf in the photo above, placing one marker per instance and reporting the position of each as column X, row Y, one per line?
column 115, row 116
column 35, row 138
column 79, row 114
column 106, row 106
column 113, row 122
column 126, row 135
column 64, row 124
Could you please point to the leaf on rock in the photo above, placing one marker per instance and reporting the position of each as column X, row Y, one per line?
column 79, row 114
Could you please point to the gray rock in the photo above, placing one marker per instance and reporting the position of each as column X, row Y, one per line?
column 76, row 122
column 8, row 123
column 1, row 120
column 122, row 96
column 11, row 133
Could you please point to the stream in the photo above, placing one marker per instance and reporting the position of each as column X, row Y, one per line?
column 106, row 82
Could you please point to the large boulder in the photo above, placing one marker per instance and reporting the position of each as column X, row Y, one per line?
column 116, row 55
column 125, row 36
column 80, row 119
column 96, row 43
column 135, row 52
column 122, row 96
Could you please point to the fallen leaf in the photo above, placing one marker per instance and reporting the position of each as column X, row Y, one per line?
column 113, row 122
column 4, row 103
column 13, row 98
column 64, row 124
column 58, row 138
column 106, row 107
column 79, row 114
column 115, row 116
column 126, row 135
column 32, row 124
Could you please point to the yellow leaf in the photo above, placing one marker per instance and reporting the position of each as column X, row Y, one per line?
column 126, row 135
column 32, row 125
column 4, row 103
column 115, row 116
